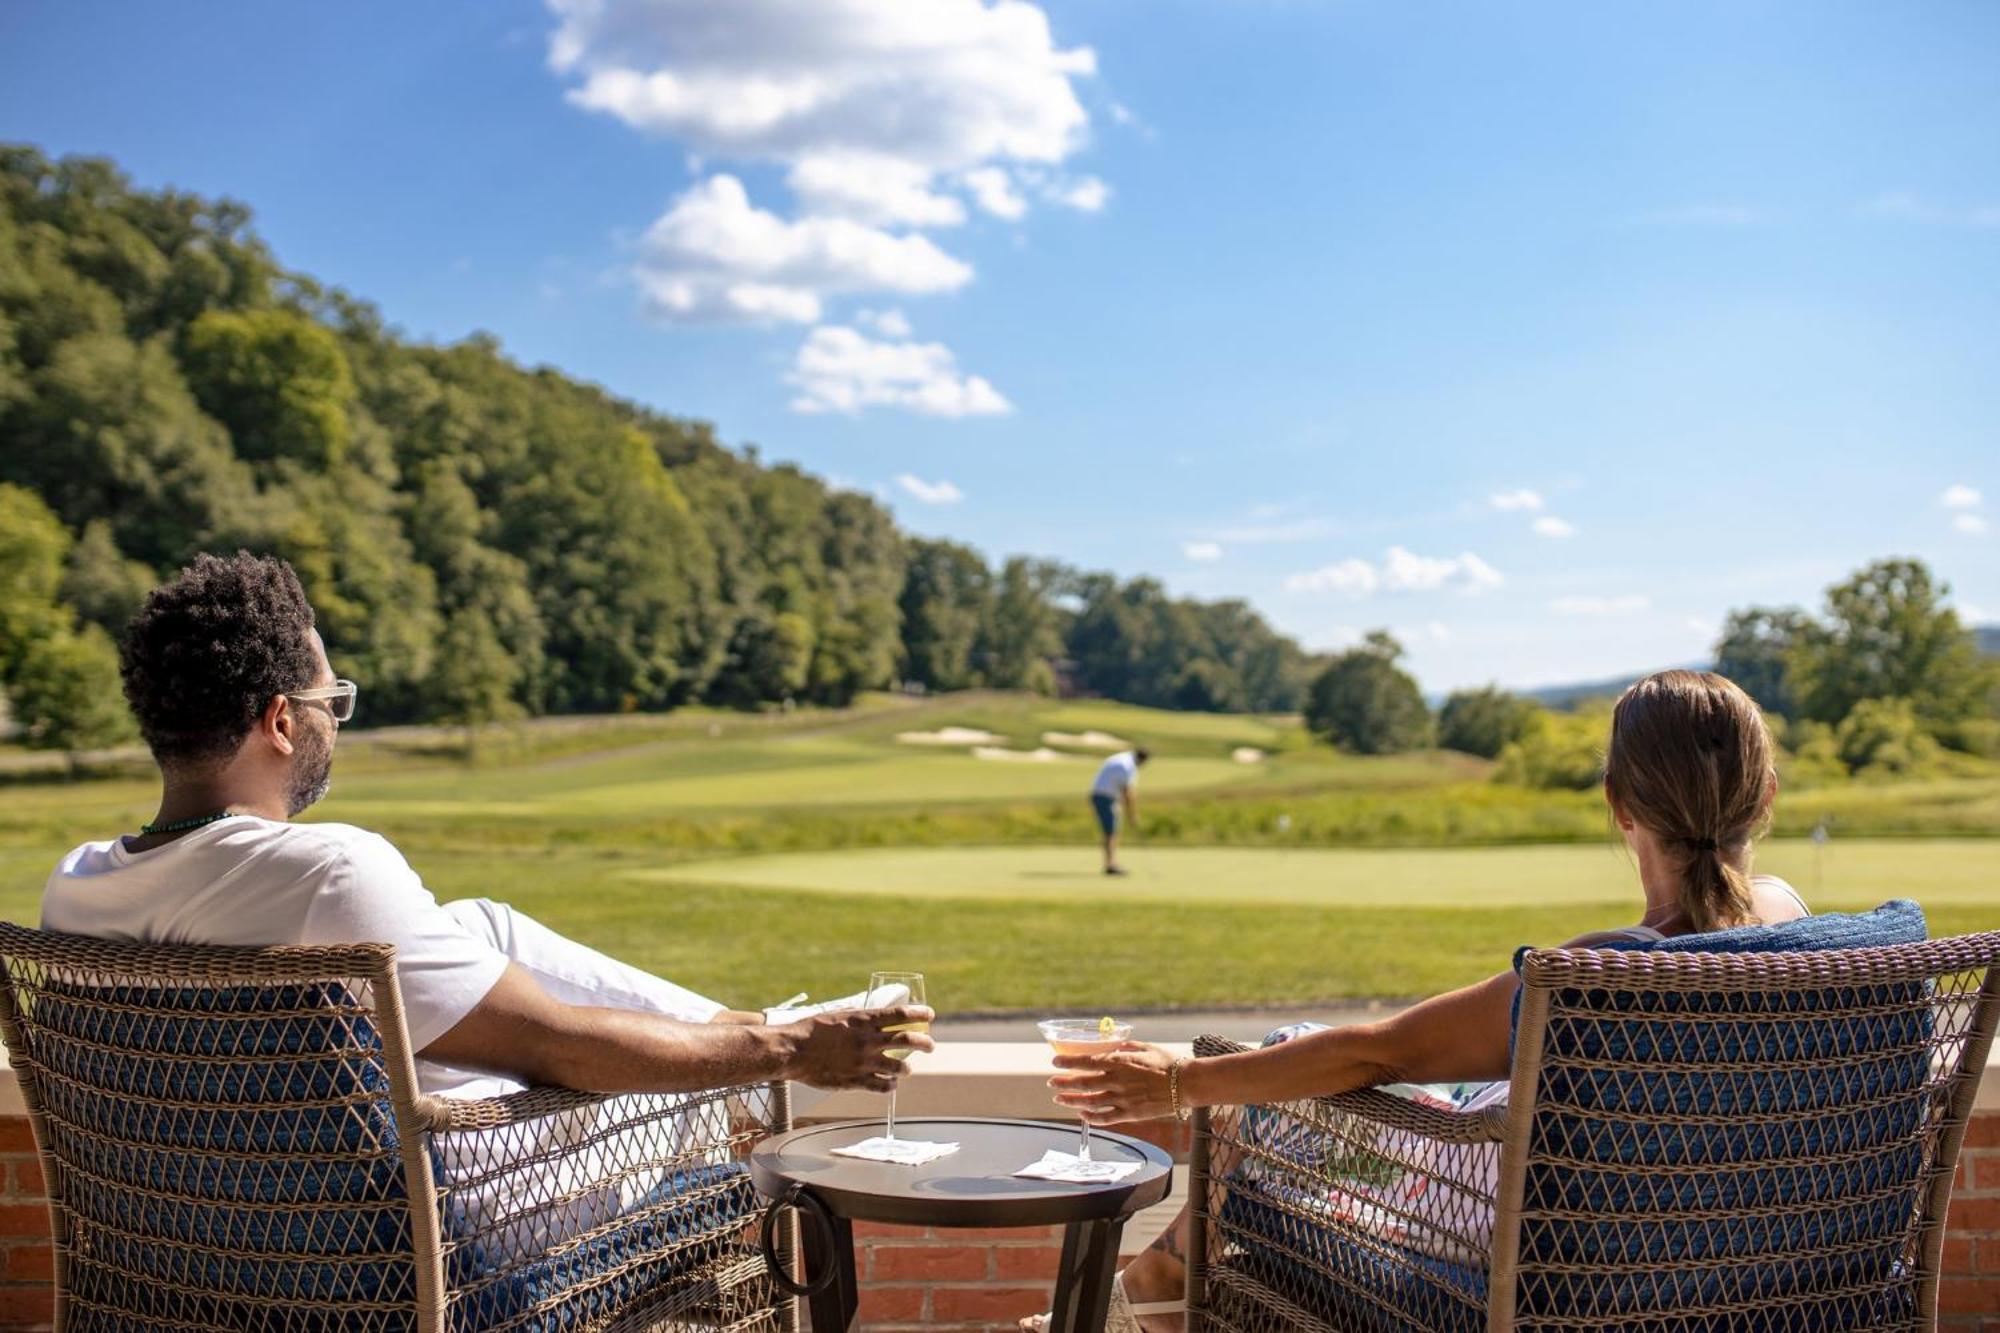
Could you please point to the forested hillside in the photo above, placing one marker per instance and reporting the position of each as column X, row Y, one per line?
column 479, row 538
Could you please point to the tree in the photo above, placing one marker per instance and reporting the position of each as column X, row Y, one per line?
column 474, row 681
column 1756, row 650
column 104, row 587
column 1483, row 721
column 1022, row 634
column 33, row 547
column 1363, row 702
column 279, row 382
column 1888, row 634
column 66, row 694
column 946, row 602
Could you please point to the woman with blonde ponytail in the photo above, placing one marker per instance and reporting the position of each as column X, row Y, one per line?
column 1689, row 781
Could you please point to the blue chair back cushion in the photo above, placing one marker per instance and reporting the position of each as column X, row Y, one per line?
column 205, row 1211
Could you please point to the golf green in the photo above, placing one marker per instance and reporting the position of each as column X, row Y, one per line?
column 1847, row 874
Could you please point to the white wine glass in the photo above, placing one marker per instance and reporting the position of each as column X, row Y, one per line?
column 894, row 988
column 1084, row 1036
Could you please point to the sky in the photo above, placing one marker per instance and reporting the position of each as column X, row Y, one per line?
column 1540, row 334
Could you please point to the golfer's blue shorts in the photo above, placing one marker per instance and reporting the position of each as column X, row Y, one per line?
column 1107, row 812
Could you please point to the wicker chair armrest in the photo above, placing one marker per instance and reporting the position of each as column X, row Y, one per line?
column 1379, row 1108
column 453, row 1114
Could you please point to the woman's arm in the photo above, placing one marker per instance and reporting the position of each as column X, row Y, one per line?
column 1462, row 1035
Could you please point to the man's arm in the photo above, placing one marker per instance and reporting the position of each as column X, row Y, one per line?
column 1131, row 806
column 522, row 1030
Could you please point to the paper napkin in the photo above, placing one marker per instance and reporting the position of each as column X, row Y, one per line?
column 1074, row 1170
column 897, row 1152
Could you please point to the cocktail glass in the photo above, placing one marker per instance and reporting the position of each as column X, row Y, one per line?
column 1084, row 1036
column 885, row 988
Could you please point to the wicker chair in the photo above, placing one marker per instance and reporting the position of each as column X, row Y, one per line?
column 1694, row 1142
column 233, row 1139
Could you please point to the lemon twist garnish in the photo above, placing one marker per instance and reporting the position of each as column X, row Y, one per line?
column 1106, row 1026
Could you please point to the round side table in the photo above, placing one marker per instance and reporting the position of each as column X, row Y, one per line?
column 973, row 1187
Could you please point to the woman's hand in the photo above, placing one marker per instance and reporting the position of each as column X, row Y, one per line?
column 1123, row 1084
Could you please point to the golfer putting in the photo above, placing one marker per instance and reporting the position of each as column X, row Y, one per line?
column 1117, row 783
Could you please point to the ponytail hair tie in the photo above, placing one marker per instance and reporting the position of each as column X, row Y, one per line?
column 1703, row 844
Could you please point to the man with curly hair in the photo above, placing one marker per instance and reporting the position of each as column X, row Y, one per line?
column 234, row 694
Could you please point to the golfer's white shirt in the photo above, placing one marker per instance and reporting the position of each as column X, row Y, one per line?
column 1120, row 771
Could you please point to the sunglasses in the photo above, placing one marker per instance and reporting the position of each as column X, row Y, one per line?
column 338, row 697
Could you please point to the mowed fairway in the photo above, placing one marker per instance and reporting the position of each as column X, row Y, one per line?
column 1862, row 873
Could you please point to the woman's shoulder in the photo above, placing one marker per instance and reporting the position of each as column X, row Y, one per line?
column 1771, row 892
column 1597, row 939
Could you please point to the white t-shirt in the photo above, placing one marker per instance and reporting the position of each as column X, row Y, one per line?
column 1120, row 771
column 255, row 882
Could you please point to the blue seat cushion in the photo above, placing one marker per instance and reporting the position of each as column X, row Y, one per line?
column 687, row 1220
column 1404, row 1289
column 1322, row 1272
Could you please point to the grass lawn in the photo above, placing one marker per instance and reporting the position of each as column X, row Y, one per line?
column 1960, row 872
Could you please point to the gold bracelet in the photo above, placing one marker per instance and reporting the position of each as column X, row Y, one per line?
column 1181, row 1111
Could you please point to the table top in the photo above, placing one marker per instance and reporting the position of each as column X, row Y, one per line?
column 973, row 1187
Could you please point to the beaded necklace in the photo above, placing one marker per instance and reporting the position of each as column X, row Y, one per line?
column 183, row 825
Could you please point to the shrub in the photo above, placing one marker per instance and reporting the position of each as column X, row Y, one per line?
column 1883, row 738
column 1559, row 751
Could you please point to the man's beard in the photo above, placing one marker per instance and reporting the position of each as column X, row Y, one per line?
column 312, row 770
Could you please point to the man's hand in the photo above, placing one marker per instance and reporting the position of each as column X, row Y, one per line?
column 1124, row 1084
column 849, row 1049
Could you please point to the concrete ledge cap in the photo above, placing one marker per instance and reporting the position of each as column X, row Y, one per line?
column 1008, row 1079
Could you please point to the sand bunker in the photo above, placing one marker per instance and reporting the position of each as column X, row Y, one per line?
column 948, row 736
column 1086, row 740
column 1247, row 754
column 1042, row 756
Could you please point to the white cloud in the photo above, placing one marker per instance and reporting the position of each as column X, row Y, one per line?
column 1519, row 499
column 715, row 257
column 1548, row 525
column 1088, row 195
column 1438, row 632
column 841, row 369
column 1909, row 206
column 870, row 187
column 1405, row 571
column 1351, row 577
column 1400, row 571
column 938, row 492
column 1703, row 626
column 944, row 84
column 993, row 190
column 888, row 323
column 1960, row 497
column 1972, row 525
column 885, row 115
column 1600, row 606
column 1202, row 551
